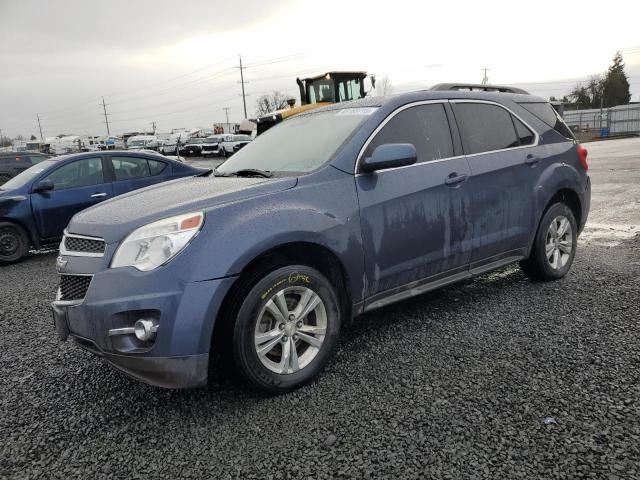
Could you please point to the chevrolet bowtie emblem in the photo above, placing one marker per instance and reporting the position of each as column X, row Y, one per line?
column 61, row 264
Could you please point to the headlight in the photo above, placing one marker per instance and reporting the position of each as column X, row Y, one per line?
column 155, row 244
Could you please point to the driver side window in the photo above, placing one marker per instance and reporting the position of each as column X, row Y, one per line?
column 81, row 173
column 424, row 126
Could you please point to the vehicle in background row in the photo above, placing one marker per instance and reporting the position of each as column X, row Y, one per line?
column 230, row 144
column 329, row 214
column 12, row 163
column 192, row 147
column 37, row 204
column 156, row 145
column 211, row 145
column 140, row 142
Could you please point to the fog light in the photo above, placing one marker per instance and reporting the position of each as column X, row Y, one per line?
column 145, row 330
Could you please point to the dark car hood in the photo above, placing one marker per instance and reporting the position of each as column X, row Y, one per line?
column 116, row 218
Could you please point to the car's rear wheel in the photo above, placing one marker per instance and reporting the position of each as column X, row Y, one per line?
column 14, row 243
column 285, row 329
column 554, row 247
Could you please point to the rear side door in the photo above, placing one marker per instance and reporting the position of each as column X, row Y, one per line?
column 500, row 149
column 77, row 185
column 414, row 218
column 131, row 172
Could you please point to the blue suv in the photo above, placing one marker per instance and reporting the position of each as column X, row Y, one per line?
column 328, row 215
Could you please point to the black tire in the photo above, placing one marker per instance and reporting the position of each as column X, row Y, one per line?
column 14, row 243
column 538, row 266
column 251, row 302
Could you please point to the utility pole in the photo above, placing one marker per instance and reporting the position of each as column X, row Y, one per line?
column 153, row 125
column 485, row 79
column 40, row 127
column 244, row 101
column 226, row 112
column 106, row 117
column 1, row 139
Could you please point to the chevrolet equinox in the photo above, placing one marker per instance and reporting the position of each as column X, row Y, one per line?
column 330, row 214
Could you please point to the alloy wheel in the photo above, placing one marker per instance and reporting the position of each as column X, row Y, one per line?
column 559, row 242
column 290, row 330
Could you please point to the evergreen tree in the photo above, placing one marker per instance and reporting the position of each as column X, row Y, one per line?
column 616, row 85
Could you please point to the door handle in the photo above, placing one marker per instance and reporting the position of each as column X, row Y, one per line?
column 531, row 160
column 454, row 178
column 98, row 195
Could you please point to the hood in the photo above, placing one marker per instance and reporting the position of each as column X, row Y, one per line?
column 116, row 218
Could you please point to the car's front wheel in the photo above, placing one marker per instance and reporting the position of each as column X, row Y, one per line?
column 286, row 328
column 14, row 243
column 554, row 246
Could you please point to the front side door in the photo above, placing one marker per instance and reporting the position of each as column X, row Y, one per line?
column 499, row 147
column 76, row 185
column 414, row 219
column 131, row 173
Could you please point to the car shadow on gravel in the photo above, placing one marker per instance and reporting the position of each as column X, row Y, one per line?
column 426, row 313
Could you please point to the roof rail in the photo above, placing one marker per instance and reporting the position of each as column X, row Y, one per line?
column 477, row 87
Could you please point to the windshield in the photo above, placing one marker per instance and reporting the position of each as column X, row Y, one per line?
column 299, row 144
column 136, row 143
column 196, row 140
column 242, row 138
column 25, row 177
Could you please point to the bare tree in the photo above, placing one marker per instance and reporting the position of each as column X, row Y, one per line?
column 270, row 103
column 384, row 86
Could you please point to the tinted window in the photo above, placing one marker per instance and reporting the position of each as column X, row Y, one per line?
column 156, row 167
column 127, row 168
column 80, row 173
column 525, row 136
column 424, row 126
column 485, row 127
column 548, row 114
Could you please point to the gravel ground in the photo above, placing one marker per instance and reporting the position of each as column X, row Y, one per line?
column 497, row 377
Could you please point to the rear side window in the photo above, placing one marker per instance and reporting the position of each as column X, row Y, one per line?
column 127, row 168
column 156, row 167
column 424, row 126
column 484, row 127
column 548, row 114
column 525, row 136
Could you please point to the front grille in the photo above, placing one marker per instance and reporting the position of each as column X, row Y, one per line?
column 83, row 245
column 74, row 287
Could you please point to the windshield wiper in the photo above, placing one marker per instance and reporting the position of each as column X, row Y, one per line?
column 247, row 172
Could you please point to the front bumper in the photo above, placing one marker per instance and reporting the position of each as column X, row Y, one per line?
column 178, row 356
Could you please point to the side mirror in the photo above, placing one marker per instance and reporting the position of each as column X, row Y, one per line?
column 390, row 155
column 43, row 186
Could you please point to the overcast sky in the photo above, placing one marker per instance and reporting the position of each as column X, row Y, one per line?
column 173, row 62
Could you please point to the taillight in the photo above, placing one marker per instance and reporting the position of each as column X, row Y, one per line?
column 582, row 155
